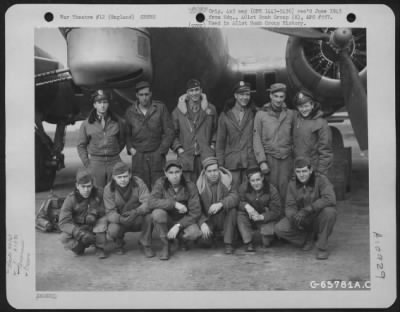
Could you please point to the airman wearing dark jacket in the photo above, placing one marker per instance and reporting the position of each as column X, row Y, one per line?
column 125, row 201
column 195, row 122
column 234, row 147
column 79, row 214
column 310, row 209
column 175, row 207
column 311, row 133
column 219, row 202
column 150, row 133
column 273, row 142
column 259, row 208
column 101, row 139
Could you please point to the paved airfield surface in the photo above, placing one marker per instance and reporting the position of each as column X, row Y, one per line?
column 281, row 267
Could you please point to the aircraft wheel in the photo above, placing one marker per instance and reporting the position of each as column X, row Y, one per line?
column 45, row 174
column 340, row 172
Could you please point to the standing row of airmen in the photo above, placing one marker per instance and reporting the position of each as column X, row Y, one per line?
column 242, row 164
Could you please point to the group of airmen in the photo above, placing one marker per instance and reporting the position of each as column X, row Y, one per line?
column 249, row 169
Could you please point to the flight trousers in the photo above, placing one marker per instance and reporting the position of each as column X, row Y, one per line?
column 101, row 168
column 225, row 221
column 246, row 227
column 322, row 227
column 163, row 222
column 142, row 223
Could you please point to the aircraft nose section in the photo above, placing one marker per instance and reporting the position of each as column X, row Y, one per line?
column 107, row 57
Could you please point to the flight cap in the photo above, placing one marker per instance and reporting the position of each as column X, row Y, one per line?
column 120, row 168
column 241, row 87
column 83, row 176
column 211, row 160
column 192, row 83
column 172, row 163
column 100, row 95
column 301, row 162
column 277, row 87
column 302, row 97
column 141, row 85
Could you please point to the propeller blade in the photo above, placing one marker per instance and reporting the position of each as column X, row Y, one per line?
column 306, row 33
column 355, row 98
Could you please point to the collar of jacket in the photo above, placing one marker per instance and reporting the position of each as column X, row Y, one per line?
column 230, row 104
column 224, row 175
column 265, row 189
column 93, row 116
column 268, row 107
column 80, row 198
column 168, row 185
column 182, row 105
column 310, row 182
column 114, row 186
column 137, row 110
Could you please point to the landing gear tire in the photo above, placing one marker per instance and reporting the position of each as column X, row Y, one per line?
column 45, row 173
column 340, row 172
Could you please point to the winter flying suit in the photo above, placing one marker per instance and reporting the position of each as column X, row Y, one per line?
column 127, row 211
column 266, row 203
column 319, row 194
column 99, row 146
column 273, row 144
column 219, row 192
column 194, row 133
column 312, row 139
column 151, row 136
column 73, row 221
column 234, row 145
column 162, row 203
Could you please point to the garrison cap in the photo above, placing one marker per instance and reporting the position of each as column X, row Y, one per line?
column 302, row 97
column 301, row 162
column 83, row 176
column 211, row 160
column 141, row 85
column 241, row 87
column 120, row 168
column 172, row 163
column 100, row 95
column 192, row 83
column 277, row 87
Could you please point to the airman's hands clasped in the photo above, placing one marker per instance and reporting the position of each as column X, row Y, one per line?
column 180, row 207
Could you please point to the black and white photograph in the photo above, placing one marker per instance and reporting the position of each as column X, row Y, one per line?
column 205, row 163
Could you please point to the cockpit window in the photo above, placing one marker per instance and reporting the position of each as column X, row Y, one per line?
column 269, row 79
column 252, row 79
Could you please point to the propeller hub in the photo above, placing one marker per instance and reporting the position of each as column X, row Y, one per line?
column 341, row 38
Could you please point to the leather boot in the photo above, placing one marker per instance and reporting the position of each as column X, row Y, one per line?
column 148, row 252
column 250, row 247
column 100, row 253
column 267, row 240
column 182, row 243
column 78, row 249
column 164, row 255
column 119, row 246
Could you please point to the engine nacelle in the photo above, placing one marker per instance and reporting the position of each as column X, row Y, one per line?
column 312, row 65
column 108, row 57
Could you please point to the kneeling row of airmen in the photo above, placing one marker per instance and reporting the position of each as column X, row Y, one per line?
column 177, row 209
